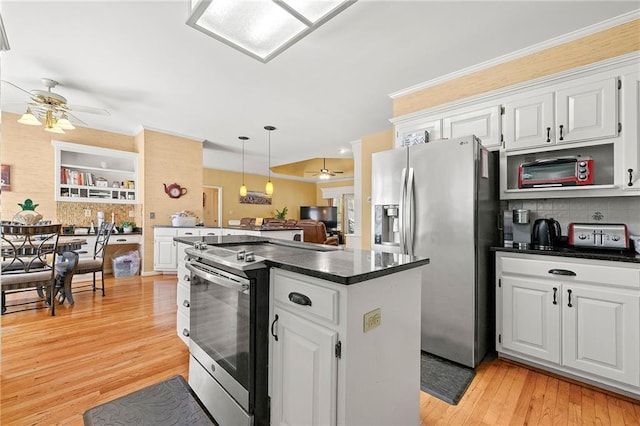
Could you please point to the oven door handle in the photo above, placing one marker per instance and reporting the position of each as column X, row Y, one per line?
column 239, row 287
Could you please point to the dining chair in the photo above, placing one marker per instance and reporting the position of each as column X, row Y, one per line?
column 96, row 263
column 28, row 263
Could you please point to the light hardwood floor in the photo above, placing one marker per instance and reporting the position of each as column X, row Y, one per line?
column 55, row 368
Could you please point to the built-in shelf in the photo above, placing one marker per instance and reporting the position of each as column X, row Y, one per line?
column 91, row 174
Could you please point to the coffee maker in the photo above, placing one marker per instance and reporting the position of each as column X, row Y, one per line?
column 386, row 226
column 517, row 228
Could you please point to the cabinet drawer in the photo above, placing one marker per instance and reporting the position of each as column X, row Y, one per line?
column 183, row 297
column 183, row 275
column 124, row 239
column 596, row 272
column 188, row 232
column 324, row 301
column 164, row 232
column 182, row 326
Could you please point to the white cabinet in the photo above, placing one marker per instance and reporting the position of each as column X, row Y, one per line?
column 164, row 249
column 583, row 110
column 304, row 372
column 630, row 169
column 85, row 173
column 323, row 358
column 485, row 123
column 183, row 295
column 574, row 316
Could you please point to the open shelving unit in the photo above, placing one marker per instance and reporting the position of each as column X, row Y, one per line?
column 92, row 174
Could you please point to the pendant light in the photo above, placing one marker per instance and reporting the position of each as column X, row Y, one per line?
column 268, row 189
column 243, row 187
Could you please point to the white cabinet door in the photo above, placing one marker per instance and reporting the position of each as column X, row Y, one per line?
column 588, row 111
column 531, row 317
column 304, row 372
column 164, row 254
column 601, row 331
column 529, row 122
column 631, row 131
column 484, row 123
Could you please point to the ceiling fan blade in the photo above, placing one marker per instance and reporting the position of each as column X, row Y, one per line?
column 76, row 119
column 17, row 87
column 337, row 171
column 89, row 110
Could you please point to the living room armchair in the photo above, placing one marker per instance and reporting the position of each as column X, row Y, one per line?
column 316, row 232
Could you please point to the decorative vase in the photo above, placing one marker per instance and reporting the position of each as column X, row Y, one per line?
column 28, row 215
column 127, row 229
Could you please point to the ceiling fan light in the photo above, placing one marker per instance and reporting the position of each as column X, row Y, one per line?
column 29, row 119
column 64, row 123
column 324, row 176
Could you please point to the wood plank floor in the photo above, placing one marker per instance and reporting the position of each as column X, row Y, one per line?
column 55, row 368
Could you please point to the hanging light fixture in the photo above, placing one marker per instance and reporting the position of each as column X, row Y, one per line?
column 64, row 123
column 29, row 119
column 268, row 189
column 243, row 187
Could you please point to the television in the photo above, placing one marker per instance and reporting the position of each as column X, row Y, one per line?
column 326, row 214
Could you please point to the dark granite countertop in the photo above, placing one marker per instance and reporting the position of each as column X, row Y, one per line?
column 339, row 265
column 580, row 253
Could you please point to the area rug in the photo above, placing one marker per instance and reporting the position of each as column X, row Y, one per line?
column 444, row 379
column 169, row 403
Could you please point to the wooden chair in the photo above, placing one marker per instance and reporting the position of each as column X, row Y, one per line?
column 28, row 263
column 96, row 263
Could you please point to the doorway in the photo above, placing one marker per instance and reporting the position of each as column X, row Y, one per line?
column 212, row 205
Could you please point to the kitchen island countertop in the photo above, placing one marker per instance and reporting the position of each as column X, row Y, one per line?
column 339, row 265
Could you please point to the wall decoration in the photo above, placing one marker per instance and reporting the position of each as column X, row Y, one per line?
column 5, row 178
column 255, row 197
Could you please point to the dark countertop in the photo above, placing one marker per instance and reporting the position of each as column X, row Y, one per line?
column 241, row 228
column 580, row 253
column 339, row 265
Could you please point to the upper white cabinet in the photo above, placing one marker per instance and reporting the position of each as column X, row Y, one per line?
column 578, row 111
column 630, row 170
column 85, row 173
column 482, row 122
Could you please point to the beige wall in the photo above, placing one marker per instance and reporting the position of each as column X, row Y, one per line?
column 606, row 44
column 29, row 153
column 287, row 193
column 169, row 159
column 370, row 144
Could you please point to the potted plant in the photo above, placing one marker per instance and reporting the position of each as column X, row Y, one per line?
column 281, row 214
column 127, row 227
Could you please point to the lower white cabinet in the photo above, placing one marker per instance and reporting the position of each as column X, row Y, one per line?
column 575, row 316
column 327, row 368
column 304, row 372
column 183, row 294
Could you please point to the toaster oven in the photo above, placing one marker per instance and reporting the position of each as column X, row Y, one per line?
column 562, row 171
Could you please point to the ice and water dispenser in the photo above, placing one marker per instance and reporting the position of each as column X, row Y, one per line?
column 386, row 226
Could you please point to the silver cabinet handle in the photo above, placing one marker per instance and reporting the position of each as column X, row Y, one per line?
column 185, row 332
column 186, row 303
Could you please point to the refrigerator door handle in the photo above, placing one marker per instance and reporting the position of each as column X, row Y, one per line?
column 401, row 208
column 411, row 217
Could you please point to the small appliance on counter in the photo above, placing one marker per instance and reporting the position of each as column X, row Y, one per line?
column 561, row 171
column 545, row 234
column 521, row 229
column 599, row 235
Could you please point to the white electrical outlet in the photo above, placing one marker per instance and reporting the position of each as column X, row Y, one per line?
column 371, row 320
column 132, row 213
column 87, row 213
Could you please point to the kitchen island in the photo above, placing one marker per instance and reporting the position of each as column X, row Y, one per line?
column 342, row 332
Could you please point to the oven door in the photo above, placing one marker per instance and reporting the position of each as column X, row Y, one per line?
column 220, row 328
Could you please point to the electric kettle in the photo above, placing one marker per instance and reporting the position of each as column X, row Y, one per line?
column 545, row 234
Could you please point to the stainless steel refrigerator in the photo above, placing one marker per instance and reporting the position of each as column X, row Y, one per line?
column 439, row 200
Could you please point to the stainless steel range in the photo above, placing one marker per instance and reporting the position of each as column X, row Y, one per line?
column 228, row 367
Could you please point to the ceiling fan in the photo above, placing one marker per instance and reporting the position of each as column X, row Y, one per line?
column 52, row 108
column 324, row 173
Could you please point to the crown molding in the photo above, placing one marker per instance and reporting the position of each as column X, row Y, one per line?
column 556, row 41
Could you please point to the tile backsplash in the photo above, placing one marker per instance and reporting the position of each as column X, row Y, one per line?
column 73, row 213
column 591, row 210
